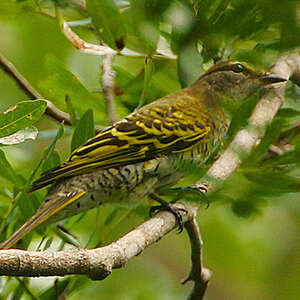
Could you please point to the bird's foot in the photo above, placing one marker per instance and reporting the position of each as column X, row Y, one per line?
column 166, row 206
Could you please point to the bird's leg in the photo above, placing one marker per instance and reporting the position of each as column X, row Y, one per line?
column 165, row 205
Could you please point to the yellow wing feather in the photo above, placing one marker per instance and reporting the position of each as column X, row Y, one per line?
column 153, row 130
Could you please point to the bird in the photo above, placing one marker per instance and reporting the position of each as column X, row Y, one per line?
column 130, row 160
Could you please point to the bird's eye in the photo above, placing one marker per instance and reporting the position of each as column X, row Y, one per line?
column 238, row 68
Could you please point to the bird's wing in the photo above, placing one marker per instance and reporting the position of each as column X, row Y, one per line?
column 139, row 137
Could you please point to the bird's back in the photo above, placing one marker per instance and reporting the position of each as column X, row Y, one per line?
column 176, row 124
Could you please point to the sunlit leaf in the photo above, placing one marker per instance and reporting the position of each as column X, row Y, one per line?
column 84, row 130
column 28, row 205
column 48, row 243
column 71, row 111
column 289, row 118
column 144, row 17
column 20, row 116
column 108, row 21
column 18, row 292
column 6, row 170
column 50, row 156
column 56, row 290
column 52, row 161
column 274, row 182
column 67, row 237
column 149, row 70
column 189, row 64
column 61, row 84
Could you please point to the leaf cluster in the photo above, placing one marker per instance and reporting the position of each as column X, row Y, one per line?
column 199, row 33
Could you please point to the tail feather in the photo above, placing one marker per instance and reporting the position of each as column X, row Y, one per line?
column 43, row 214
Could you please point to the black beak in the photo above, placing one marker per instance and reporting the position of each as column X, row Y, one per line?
column 271, row 78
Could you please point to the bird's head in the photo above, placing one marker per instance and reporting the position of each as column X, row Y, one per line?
column 234, row 81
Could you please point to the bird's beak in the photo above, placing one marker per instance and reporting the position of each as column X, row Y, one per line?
column 271, row 78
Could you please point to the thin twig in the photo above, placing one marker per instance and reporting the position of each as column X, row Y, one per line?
column 51, row 110
column 88, row 48
column 108, row 86
column 199, row 275
column 82, row 46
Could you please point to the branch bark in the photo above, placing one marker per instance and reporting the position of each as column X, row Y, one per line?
column 108, row 86
column 199, row 275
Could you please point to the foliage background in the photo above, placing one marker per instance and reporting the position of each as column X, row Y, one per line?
column 251, row 234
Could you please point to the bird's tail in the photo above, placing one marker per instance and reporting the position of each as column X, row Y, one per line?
column 44, row 213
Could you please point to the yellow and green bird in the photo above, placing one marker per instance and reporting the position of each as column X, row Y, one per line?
column 133, row 158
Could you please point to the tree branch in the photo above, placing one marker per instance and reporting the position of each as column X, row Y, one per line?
column 108, row 86
column 201, row 276
column 95, row 263
column 51, row 110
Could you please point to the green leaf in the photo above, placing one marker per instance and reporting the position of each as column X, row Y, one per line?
column 244, row 208
column 84, row 130
column 28, row 205
column 274, row 182
column 149, row 70
column 71, row 111
column 22, row 115
column 283, row 13
column 189, row 64
column 6, row 170
column 143, row 19
column 61, row 84
column 286, row 160
column 50, row 157
column 289, row 118
column 18, row 292
column 56, row 291
column 219, row 10
column 108, row 21
column 52, row 161
column 190, row 29
column 47, row 161
column 48, row 243
column 62, row 287
column 163, row 82
column 67, row 237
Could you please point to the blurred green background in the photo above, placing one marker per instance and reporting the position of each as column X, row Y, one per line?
column 251, row 230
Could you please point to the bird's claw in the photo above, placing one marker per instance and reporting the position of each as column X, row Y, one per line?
column 154, row 209
column 166, row 206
